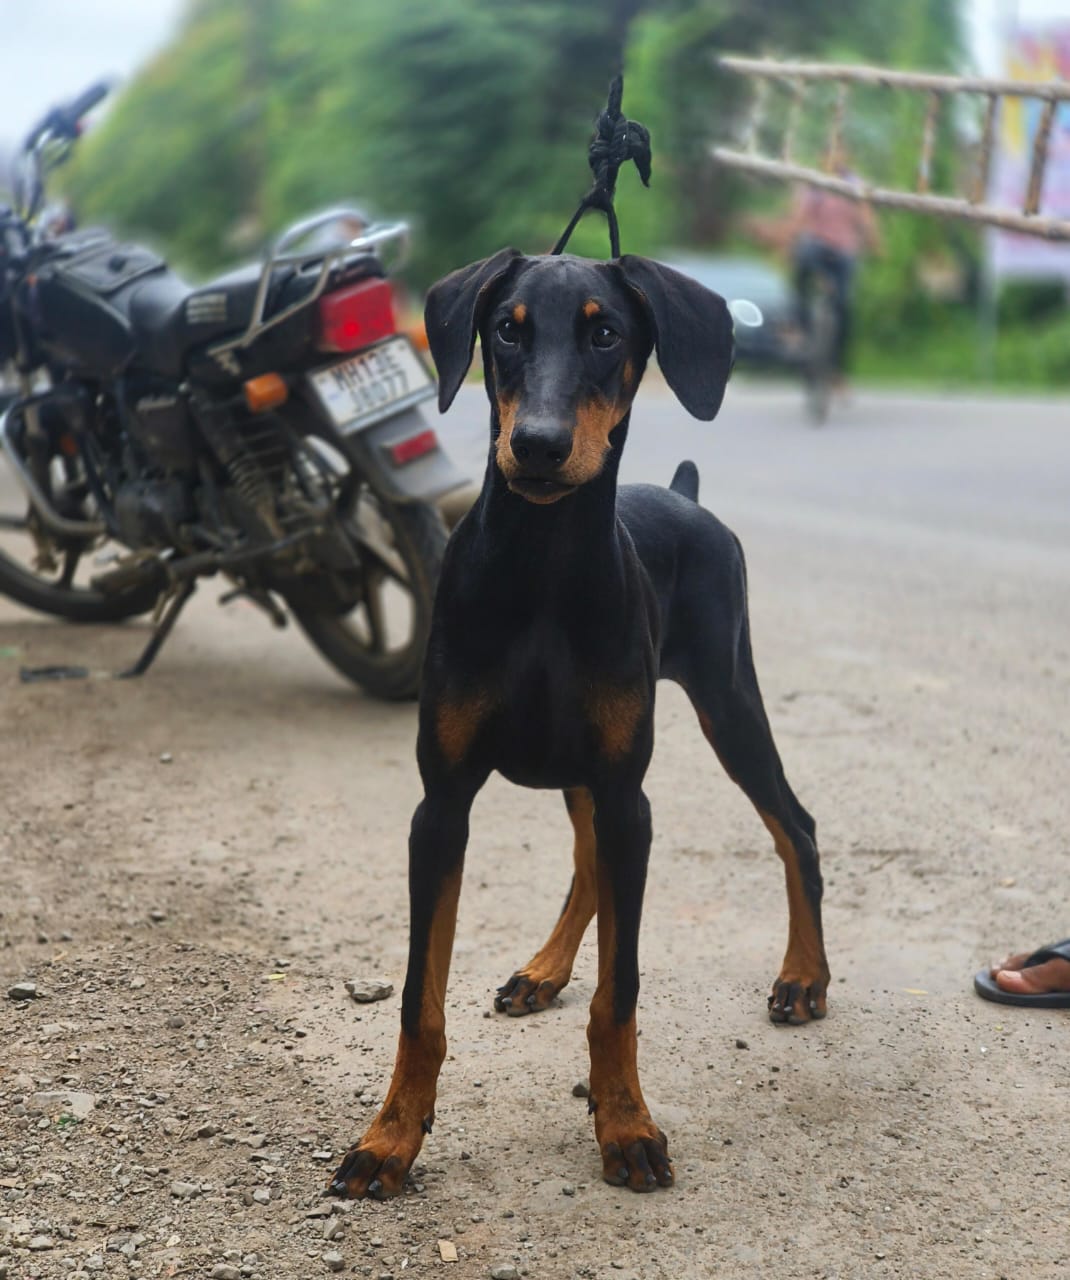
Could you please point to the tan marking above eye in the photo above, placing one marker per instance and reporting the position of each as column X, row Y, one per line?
column 520, row 313
column 591, row 308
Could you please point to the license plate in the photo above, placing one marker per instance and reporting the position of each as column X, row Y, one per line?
column 370, row 386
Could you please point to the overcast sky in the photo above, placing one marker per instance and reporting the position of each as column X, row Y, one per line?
column 52, row 49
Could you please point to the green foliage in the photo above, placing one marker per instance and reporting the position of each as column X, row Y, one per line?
column 471, row 118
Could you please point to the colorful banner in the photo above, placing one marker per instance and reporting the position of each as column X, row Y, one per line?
column 1032, row 53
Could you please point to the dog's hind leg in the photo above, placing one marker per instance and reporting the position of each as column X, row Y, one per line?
column 535, row 986
column 730, row 710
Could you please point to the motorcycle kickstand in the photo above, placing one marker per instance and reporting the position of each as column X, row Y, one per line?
column 160, row 634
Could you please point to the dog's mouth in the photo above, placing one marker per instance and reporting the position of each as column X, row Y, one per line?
column 540, row 491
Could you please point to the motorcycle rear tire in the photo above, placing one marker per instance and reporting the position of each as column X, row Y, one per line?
column 73, row 604
column 420, row 538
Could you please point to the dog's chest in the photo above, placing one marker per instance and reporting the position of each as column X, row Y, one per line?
column 552, row 710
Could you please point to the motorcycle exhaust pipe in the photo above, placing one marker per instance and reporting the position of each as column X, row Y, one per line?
column 61, row 526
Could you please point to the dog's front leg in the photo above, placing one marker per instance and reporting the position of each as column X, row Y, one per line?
column 634, row 1150
column 377, row 1165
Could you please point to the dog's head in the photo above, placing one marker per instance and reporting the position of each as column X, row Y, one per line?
column 565, row 343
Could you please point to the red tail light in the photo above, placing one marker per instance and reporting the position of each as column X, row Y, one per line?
column 356, row 316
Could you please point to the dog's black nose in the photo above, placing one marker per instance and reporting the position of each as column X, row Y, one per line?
column 540, row 448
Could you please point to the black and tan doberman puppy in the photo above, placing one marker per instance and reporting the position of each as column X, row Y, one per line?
column 562, row 600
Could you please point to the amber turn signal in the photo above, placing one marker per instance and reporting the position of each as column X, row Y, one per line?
column 266, row 392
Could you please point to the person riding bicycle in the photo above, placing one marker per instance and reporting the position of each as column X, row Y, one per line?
column 828, row 233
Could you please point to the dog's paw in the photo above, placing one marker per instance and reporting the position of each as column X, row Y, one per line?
column 796, row 1001
column 378, row 1165
column 525, row 993
column 637, row 1160
column 364, row 1172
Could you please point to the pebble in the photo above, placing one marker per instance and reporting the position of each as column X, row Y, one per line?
column 334, row 1261
column 262, row 1195
column 166, row 757
column 224, row 1271
column 23, row 991
column 157, row 916
column 207, row 1131
column 581, row 1089
column 39, row 1243
column 365, row 990
column 568, row 1189
column 742, row 1044
column 185, row 1190
column 505, row 1272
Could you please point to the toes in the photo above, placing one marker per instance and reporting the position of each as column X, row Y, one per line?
column 522, row 995
column 353, row 1176
column 641, row 1165
column 797, row 1002
column 364, row 1173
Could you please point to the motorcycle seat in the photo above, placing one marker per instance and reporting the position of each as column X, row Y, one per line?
column 169, row 318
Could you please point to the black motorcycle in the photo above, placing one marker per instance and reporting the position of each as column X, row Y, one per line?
column 262, row 426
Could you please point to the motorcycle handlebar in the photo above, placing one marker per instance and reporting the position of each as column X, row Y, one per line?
column 64, row 120
column 85, row 102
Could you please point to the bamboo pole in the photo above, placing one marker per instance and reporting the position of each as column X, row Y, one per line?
column 1046, row 90
column 1048, row 228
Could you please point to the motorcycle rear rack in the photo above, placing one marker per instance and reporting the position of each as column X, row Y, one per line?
column 327, row 259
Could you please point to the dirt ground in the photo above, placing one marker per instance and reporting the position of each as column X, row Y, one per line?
column 193, row 864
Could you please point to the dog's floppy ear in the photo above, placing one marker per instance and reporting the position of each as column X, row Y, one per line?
column 692, row 332
column 452, row 315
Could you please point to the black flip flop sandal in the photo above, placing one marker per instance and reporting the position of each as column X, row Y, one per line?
column 985, row 985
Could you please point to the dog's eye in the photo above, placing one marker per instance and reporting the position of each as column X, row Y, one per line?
column 604, row 337
column 509, row 333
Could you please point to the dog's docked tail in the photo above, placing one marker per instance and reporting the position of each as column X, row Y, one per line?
column 685, row 480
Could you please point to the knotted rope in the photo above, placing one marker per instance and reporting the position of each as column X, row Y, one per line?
column 615, row 142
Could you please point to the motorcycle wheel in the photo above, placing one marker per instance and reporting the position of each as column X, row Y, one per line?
column 52, row 575
column 380, row 642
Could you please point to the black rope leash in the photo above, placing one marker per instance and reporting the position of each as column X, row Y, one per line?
column 615, row 142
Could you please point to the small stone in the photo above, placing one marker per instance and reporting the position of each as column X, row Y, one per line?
column 742, row 1044
column 157, row 916
column 506, row 1271
column 39, row 1243
column 334, row 1261
column 94, row 1262
column 207, row 1131
column 333, row 1229
column 262, row 1195
column 447, row 1251
column 23, row 991
column 185, row 1190
column 321, row 1155
column 176, row 1022
column 568, row 1189
column 224, row 1271
column 581, row 1089
column 166, row 757
column 366, row 990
